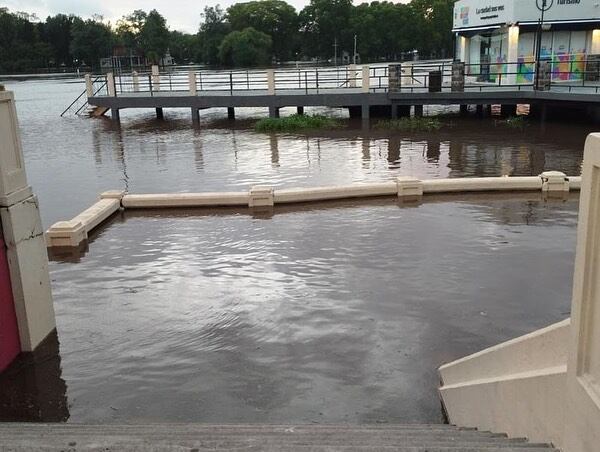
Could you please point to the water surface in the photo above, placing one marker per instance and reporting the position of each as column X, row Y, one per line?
column 338, row 312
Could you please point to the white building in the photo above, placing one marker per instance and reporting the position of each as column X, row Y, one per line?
column 492, row 36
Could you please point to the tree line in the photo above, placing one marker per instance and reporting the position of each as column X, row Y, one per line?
column 259, row 32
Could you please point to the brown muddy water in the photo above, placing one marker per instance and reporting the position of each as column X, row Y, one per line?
column 337, row 312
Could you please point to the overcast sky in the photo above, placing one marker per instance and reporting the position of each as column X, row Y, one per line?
column 183, row 15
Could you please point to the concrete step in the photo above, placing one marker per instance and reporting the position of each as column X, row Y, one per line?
column 301, row 438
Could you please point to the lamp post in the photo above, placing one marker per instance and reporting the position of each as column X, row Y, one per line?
column 542, row 6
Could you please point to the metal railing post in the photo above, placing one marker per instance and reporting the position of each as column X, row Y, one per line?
column 231, row 82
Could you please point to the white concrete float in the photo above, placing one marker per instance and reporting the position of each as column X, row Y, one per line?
column 73, row 232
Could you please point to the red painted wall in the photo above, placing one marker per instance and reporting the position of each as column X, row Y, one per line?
column 10, row 345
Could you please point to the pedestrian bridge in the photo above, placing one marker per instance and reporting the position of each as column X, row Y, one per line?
column 365, row 90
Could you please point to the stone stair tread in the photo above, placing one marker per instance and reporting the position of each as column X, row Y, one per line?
column 263, row 437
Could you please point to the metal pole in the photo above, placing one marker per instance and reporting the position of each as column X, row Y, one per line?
column 354, row 59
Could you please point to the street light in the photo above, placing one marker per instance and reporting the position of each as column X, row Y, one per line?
column 543, row 6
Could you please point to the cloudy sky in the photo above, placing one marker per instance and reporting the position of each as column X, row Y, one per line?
column 181, row 15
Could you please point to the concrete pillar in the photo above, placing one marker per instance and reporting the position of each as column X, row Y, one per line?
column 512, row 54
column 195, row 115
column 231, row 113
column 582, row 410
column 352, row 76
column 192, row 83
column 273, row 112
column 365, row 111
column 300, row 110
column 155, row 78
column 595, row 47
column 394, row 78
column 159, row 113
column 461, row 48
column 89, row 87
column 394, row 112
column 110, row 83
column 136, row 81
column 271, row 81
column 114, row 114
column 464, row 110
column 366, row 79
column 418, row 111
column 544, row 77
column 479, row 110
column 23, row 235
column 458, row 77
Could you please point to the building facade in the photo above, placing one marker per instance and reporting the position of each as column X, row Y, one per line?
column 496, row 37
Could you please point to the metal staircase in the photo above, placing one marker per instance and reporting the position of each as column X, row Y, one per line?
column 81, row 107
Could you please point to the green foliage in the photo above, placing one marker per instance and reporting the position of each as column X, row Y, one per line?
column 129, row 28
column 384, row 31
column 413, row 124
column 323, row 22
column 275, row 18
column 514, row 122
column 245, row 48
column 154, row 36
column 213, row 29
column 296, row 122
column 91, row 41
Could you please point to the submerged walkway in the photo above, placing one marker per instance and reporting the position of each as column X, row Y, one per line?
column 271, row 438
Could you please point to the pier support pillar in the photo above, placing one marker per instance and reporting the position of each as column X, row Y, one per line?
column 231, row 113
column 394, row 114
column 418, row 111
column 23, row 241
column 365, row 111
column 464, row 110
column 159, row 113
column 273, row 112
column 300, row 110
column 195, row 115
column 114, row 114
column 479, row 110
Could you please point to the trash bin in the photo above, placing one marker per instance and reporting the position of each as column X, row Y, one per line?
column 435, row 81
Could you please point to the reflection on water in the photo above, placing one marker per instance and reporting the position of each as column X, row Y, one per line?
column 32, row 390
column 336, row 312
column 71, row 160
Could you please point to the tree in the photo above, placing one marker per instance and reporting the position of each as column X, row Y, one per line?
column 248, row 47
column 275, row 18
column 129, row 28
column 184, row 47
column 57, row 33
column 213, row 29
column 324, row 22
column 154, row 37
column 92, row 40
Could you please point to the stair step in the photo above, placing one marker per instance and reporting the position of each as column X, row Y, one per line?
column 247, row 437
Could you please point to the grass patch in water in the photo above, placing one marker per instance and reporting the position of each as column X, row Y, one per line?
column 414, row 124
column 515, row 122
column 296, row 122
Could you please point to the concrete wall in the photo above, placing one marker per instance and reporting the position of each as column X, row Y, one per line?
column 23, row 234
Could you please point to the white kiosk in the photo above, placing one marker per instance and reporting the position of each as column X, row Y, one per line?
column 492, row 35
